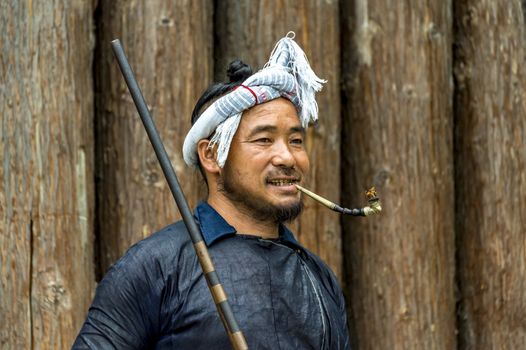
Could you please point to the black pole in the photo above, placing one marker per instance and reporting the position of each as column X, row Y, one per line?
column 218, row 294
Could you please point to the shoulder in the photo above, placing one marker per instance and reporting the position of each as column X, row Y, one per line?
column 144, row 271
column 168, row 241
column 156, row 255
column 320, row 264
column 313, row 260
column 130, row 296
column 172, row 235
column 324, row 272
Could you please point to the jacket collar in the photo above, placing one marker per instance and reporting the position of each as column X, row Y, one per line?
column 214, row 227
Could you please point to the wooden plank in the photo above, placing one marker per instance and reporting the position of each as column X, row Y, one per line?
column 398, row 136
column 490, row 116
column 169, row 45
column 46, row 187
column 248, row 30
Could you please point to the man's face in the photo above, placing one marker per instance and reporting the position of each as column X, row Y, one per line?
column 266, row 158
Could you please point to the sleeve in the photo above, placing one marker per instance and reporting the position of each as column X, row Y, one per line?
column 125, row 311
column 342, row 310
column 343, row 318
column 330, row 282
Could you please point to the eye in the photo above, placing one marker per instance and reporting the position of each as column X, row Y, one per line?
column 297, row 141
column 263, row 140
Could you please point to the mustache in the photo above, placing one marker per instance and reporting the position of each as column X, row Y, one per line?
column 291, row 172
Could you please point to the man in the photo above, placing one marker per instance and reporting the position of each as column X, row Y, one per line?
column 249, row 145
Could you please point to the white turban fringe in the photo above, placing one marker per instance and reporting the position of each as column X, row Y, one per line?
column 286, row 74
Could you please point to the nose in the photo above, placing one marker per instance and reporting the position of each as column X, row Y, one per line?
column 282, row 155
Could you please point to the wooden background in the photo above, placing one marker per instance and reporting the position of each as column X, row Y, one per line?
column 425, row 100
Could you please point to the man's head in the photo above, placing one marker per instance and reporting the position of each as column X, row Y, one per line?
column 249, row 141
column 266, row 158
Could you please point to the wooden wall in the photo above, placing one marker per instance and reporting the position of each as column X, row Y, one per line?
column 169, row 45
column 46, row 188
column 397, row 124
column 490, row 173
column 424, row 100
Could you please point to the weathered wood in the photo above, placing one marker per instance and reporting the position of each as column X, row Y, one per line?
column 46, row 187
column 248, row 30
column 169, row 45
column 398, row 136
column 490, row 134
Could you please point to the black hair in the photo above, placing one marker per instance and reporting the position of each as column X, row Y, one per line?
column 237, row 72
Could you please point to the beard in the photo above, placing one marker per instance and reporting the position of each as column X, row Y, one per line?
column 257, row 207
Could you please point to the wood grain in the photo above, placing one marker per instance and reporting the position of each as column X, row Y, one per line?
column 490, row 158
column 169, row 46
column 46, row 187
column 397, row 123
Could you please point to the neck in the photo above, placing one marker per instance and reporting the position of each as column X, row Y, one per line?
column 241, row 220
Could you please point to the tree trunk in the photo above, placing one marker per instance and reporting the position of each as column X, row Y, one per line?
column 490, row 134
column 169, row 45
column 46, row 188
column 242, row 31
column 398, row 136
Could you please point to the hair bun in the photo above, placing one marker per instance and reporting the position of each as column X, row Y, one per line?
column 238, row 71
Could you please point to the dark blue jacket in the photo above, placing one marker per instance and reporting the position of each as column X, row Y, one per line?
column 155, row 297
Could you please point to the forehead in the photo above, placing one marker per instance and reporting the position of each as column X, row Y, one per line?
column 279, row 112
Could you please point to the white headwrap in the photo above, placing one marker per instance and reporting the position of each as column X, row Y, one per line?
column 286, row 74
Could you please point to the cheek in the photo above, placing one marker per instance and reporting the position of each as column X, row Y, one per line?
column 246, row 171
column 302, row 160
column 237, row 173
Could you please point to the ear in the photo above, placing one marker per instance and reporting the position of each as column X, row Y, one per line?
column 207, row 157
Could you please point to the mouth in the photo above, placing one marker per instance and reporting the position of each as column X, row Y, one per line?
column 283, row 182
